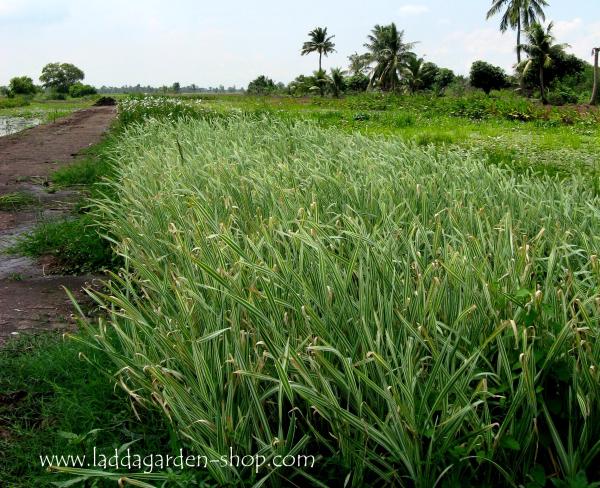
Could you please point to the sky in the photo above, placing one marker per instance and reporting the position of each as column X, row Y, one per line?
column 158, row 42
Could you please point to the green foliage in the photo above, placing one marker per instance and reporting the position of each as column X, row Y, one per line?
column 337, row 82
column 261, row 86
column 75, row 244
column 92, row 169
column 52, row 401
column 411, row 315
column 14, row 102
column 319, row 42
column 301, row 85
column 357, row 83
column 444, row 77
column 487, row 77
column 22, row 85
column 78, row 90
column 14, row 201
column 60, row 76
column 544, row 53
column 389, row 53
column 417, row 74
column 138, row 108
column 563, row 67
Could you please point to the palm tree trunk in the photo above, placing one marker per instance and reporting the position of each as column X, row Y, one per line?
column 320, row 57
column 542, row 87
column 519, row 41
column 594, row 99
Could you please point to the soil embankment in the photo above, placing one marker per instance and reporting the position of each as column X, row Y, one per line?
column 31, row 295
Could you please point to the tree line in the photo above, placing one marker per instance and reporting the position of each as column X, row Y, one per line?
column 58, row 80
column 391, row 65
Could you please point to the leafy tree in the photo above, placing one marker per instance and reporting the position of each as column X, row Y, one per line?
column 320, row 43
column 21, row 85
column 417, row 74
column 358, row 82
column 565, row 68
column 300, row 85
column 359, row 63
column 519, row 15
column 60, row 76
column 78, row 90
column 261, row 86
column 176, row 87
column 443, row 79
column 337, row 82
column 487, row 77
column 390, row 53
column 542, row 52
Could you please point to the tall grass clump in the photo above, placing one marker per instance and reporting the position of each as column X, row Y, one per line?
column 137, row 108
column 409, row 316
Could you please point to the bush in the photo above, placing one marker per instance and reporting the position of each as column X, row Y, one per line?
column 79, row 90
column 487, row 77
column 357, row 82
column 22, row 85
column 562, row 95
column 261, row 86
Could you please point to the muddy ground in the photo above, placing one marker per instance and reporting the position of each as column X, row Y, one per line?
column 31, row 293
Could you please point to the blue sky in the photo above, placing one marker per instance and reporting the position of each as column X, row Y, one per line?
column 230, row 42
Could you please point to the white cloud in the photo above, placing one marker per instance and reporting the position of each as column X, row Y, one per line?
column 581, row 36
column 459, row 49
column 413, row 9
column 566, row 27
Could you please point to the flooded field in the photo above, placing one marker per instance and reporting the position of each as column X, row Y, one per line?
column 11, row 125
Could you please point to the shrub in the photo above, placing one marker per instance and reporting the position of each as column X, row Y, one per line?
column 21, row 85
column 487, row 77
column 357, row 82
column 261, row 86
column 562, row 95
column 79, row 90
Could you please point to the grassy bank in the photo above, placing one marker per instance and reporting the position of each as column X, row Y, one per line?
column 52, row 401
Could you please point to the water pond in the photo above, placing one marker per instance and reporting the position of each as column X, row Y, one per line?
column 10, row 125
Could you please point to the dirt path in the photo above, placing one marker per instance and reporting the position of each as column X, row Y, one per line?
column 30, row 297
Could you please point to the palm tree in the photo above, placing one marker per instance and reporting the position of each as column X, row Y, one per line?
column 594, row 99
column 416, row 72
column 541, row 50
column 359, row 63
column 519, row 15
column 320, row 43
column 389, row 52
column 337, row 82
column 320, row 81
